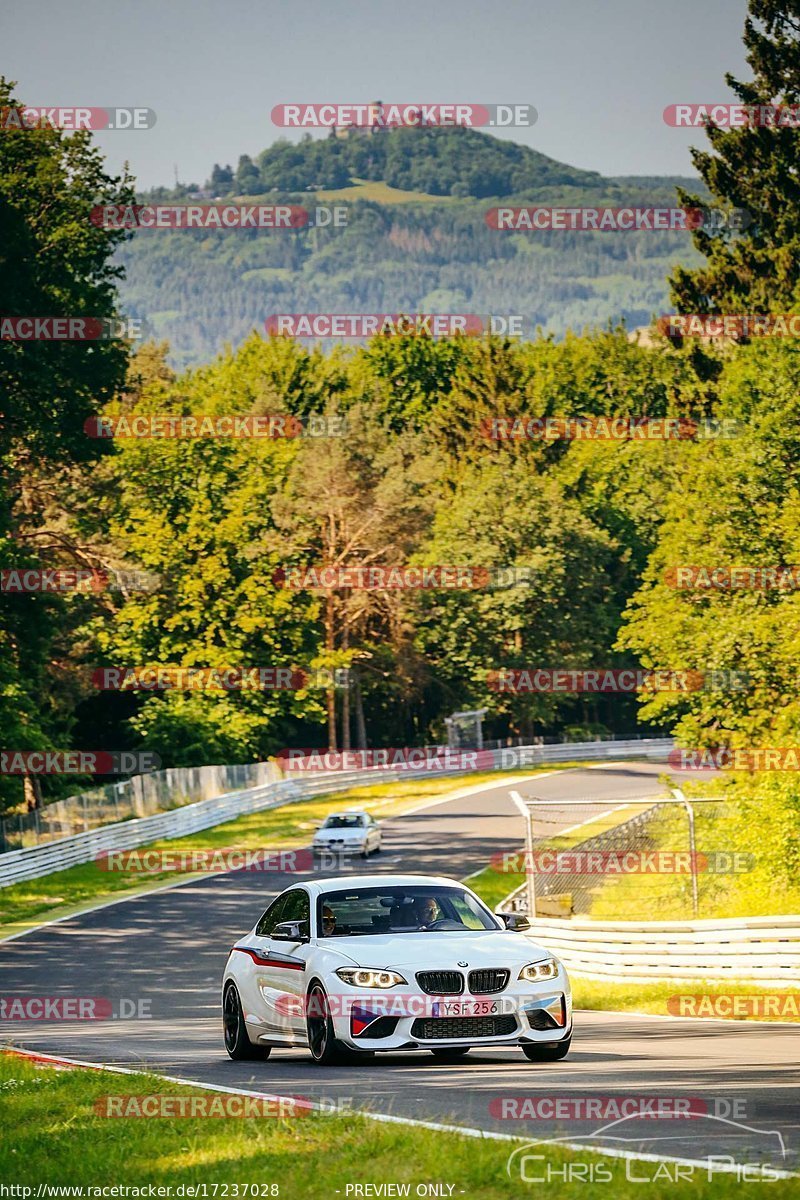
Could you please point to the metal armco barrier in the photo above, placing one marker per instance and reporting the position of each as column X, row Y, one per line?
column 765, row 950
column 36, row 861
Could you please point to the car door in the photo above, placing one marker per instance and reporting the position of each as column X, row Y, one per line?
column 257, row 948
column 373, row 834
column 282, row 971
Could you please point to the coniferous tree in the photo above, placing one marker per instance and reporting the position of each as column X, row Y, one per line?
column 754, row 168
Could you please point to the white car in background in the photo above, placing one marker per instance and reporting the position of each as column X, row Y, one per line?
column 356, row 964
column 353, row 831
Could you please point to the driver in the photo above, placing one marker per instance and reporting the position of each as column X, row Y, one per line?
column 328, row 921
column 426, row 910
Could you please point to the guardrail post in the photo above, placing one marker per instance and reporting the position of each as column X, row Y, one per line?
column 679, row 796
column 526, row 808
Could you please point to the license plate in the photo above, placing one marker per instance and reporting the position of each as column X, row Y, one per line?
column 465, row 1008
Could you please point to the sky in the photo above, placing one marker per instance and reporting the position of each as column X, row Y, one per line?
column 598, row 72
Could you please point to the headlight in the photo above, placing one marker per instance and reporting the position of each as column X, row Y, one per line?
column 546, row 969
column 367, row 978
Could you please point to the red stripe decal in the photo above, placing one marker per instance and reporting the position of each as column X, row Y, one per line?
column 270, row 962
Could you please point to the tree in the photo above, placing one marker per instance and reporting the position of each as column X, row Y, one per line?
column 357, row 502
column 196, row 512
column 546, row 604
column 735, row 504
column 221, row 179
column 57, row 263
column 248, row 177
column 754, row 168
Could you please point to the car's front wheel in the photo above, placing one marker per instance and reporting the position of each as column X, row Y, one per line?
column 551, row 1052
column 237, row 1043
column 450, row 1053
column 325, row 1049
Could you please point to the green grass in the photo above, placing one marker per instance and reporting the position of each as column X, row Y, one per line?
column 51, row 1133
column 287, row 827
column 380, row 193
column 719, row 829
column 653, row 997
column 493, row 886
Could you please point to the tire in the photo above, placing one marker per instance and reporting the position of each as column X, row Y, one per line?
column 325, row 1049
column 237, row 1040
column 548, row 1053
column 451, row 1053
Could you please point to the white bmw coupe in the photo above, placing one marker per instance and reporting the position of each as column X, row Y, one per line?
column 351, row 965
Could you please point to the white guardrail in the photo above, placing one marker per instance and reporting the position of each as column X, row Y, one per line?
column 764, row 950
column 32, row 862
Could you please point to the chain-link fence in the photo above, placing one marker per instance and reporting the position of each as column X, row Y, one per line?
column 657, row 859
column 139, row 796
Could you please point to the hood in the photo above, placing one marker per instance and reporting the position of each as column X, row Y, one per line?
column 356, row 834
column 440, row 951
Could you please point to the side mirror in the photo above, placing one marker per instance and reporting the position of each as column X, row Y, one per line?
column 515, row 921
column 290, row 931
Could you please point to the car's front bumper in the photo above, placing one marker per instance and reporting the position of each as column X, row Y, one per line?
column 412, row 1022
column 338, row 849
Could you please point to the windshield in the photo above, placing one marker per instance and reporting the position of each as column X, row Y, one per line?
column 393, row 909
column 345, row 821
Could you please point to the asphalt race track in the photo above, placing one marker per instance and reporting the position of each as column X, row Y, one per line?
column 169, row 948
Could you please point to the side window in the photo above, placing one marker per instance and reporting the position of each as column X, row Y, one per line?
column 298, row 907
column 272, row 917
column 465, row 912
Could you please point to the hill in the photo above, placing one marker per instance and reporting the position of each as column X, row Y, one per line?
column 437, row 162
column 416, row 239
